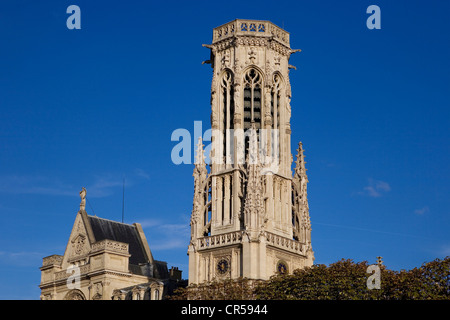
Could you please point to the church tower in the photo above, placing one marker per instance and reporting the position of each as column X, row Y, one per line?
column 250, row 215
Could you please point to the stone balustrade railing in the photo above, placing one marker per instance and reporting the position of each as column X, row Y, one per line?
column 251, row 28
column 236, row 237
column 72, row 271
column 52, row 260
column 220, row 240
column 110, row 245
column 285, row 243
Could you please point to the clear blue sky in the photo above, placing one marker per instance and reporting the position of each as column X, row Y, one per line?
column 89, row 107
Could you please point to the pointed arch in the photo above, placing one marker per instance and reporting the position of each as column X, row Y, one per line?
column 258, row 69
column 276, row 111
column 226, row 109
column 75, row 294
column 278, row 87
column 253, row 84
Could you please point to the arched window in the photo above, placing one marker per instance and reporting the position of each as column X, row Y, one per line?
column 74, row 295
column 227, row 92
column 156, row 294
column 252, row 99
column 207, row 212
column 275, row 107
column 252, row 104
column 276, row 103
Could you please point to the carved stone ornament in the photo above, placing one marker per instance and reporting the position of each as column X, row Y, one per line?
column 75, row 295
column 223, row 266
column 252, row 54
column 97, row 291
column 78, row 244
column 226, row 59
column 83, row 199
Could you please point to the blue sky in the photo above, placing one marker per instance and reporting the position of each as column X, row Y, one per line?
column 90, row 107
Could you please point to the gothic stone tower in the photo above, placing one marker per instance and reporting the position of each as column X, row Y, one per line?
column 250, row 215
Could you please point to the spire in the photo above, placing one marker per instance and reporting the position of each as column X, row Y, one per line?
column 200, row 175
column 200, row 171
column 300, row 169
column 300, row 177
column 302, row 228
column 254, row 215
column 199, row 155
column 253, row 152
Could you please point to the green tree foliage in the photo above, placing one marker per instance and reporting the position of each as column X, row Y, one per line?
column 342, row 280
column 240, row 289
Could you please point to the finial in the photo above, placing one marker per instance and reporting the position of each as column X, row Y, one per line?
column 199, row 157
column 83, row 199
column 379, row 261
column 300, row 156
column 300, row 169
column 253, row 152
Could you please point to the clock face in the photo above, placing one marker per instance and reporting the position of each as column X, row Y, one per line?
column 282, row 267
column 222, row 266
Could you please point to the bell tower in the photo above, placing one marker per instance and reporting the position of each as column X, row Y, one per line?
column 250, row 214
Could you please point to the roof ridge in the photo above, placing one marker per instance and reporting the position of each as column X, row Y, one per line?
column 127, row 224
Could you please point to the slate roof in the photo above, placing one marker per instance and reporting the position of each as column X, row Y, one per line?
column 122, row 232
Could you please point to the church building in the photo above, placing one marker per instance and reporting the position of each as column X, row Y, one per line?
column 106, row 260
column 250, row 215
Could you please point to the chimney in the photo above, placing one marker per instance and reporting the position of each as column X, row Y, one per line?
column 175, row 274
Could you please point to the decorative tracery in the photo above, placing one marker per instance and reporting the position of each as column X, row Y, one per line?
column 75, row 295
column 252, row 99
column 275, row 108
column 276, row 101
column 227, row 90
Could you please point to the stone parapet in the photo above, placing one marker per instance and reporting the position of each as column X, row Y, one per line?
column 238, row 27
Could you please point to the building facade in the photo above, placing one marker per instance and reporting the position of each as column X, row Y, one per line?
column 250, row 214
column 106, row 260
